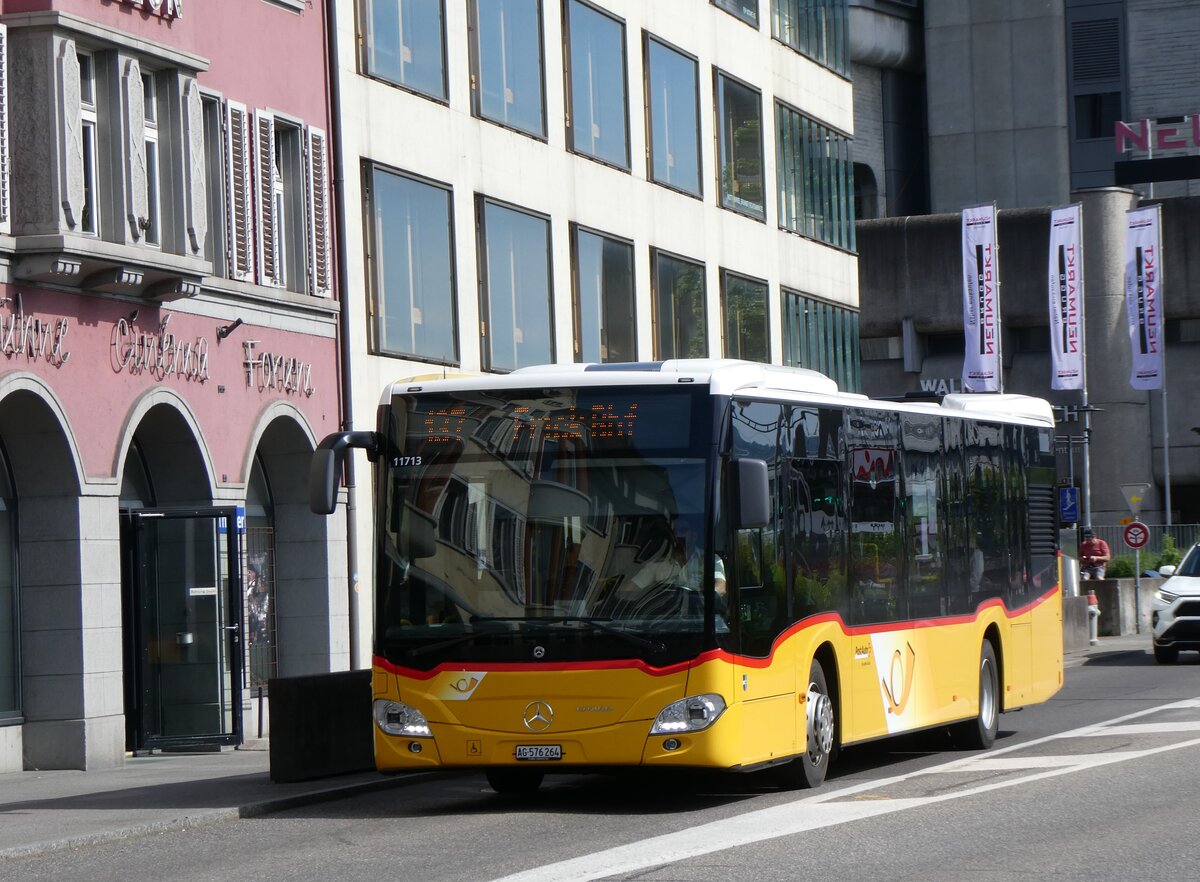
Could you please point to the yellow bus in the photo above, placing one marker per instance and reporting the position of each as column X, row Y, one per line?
column 699, row 564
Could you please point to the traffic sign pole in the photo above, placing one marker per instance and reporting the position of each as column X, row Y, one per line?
column 1137, row 590
column 1137, row 535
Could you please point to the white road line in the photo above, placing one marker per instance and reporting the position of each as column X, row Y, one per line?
column 1152, row 728
column 1008, row 763
column 838, row 807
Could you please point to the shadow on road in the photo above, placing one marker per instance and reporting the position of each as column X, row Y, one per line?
column 638, row 792
column 1135, row 658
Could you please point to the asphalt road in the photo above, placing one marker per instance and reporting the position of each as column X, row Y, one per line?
column 1097, row 784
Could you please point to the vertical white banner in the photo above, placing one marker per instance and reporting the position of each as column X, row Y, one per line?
column 981, row 300
column 1143, row 296
column 1066, row 297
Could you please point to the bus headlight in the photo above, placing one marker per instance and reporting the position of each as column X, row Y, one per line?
column 689, row 714
column 401, row 719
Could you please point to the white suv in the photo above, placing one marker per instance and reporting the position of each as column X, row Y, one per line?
column 1175, row 610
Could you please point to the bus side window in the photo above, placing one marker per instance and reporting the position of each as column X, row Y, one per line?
column 877, row 552
column 958, row 543
column 749, row 558
column 757, row 585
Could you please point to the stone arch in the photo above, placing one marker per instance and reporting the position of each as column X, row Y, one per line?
column 177, row 455
column 311, row 617
column 69, row 586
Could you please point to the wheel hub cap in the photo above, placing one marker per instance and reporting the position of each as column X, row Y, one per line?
column 820, row 726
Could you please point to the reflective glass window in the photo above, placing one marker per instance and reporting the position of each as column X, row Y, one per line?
column 598, row 121
column 739, row 150
column 507, row 69
column 672, row 87
column 515, row 269
column 815, row 184
column 679, row 302
column 815, row 28
column 604, row 298
column 746, row 10
column 744, row 305
column 821, row 337
column 412, row 274
column 815, row 511
column 876, row 518
column 406, row 44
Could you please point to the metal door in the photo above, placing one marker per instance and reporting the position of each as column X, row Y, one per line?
column 183, row 624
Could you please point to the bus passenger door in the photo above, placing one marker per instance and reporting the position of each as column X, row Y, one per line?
column 765, row 676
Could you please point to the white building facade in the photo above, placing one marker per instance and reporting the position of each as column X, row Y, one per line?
column 529, row 181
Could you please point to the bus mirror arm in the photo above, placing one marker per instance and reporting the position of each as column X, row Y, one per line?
column 325, row 470
column 753, row 494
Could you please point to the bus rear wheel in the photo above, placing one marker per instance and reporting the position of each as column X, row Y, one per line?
column 980, row 733
column 514, row 781
column 808, row 770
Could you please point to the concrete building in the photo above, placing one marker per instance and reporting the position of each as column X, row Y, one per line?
column 529, row 181
column 1022, row 103
column 170, row 361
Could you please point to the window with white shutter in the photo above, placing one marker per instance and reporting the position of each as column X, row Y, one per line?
column 320, row 282
column 89, row 127
column 266, row 180
column 152, row 223
column 237, row 154
column 216, row 202
column 5, row 184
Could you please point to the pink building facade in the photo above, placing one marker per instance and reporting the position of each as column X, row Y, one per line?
column 169, row 332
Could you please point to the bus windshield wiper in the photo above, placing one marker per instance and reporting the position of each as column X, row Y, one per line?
column 593, row 623
column 418, row 651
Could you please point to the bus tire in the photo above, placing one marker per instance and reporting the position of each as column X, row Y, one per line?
column 980, row 733
column 809, row 769
column 514, row 781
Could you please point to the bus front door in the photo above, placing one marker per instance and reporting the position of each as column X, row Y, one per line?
column 183, row 672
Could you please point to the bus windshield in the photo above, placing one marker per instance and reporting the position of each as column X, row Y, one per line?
column 566, row 520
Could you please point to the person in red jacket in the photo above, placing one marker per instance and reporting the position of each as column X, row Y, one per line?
column 1094, row 555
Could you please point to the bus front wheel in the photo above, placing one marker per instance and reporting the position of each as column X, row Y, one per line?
column 514, row 781
column 980, row 733
column 808, row 770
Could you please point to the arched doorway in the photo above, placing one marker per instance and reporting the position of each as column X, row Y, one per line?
column 308, row 623
column 57, row 597
column 10, row 633
column 182, row 593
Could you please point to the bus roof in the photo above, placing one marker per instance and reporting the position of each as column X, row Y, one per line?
column 723, row 376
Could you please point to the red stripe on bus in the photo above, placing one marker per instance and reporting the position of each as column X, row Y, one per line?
column 713, row 654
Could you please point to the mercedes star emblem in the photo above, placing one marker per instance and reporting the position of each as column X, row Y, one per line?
column 538, row 716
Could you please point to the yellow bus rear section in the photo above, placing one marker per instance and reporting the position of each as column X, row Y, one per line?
column 885, row 681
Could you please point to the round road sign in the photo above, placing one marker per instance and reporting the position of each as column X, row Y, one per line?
column 1137, row 535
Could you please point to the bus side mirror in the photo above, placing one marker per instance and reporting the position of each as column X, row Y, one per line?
column 326, row 466
column 753, row 495
column 323, row 481
column 422, row 534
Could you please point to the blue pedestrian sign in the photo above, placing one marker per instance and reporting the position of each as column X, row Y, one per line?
column 1068, row 505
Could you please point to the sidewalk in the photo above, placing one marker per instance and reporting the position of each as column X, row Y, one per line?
column 53, row 810
column 48, row 811
column 1108, row 647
